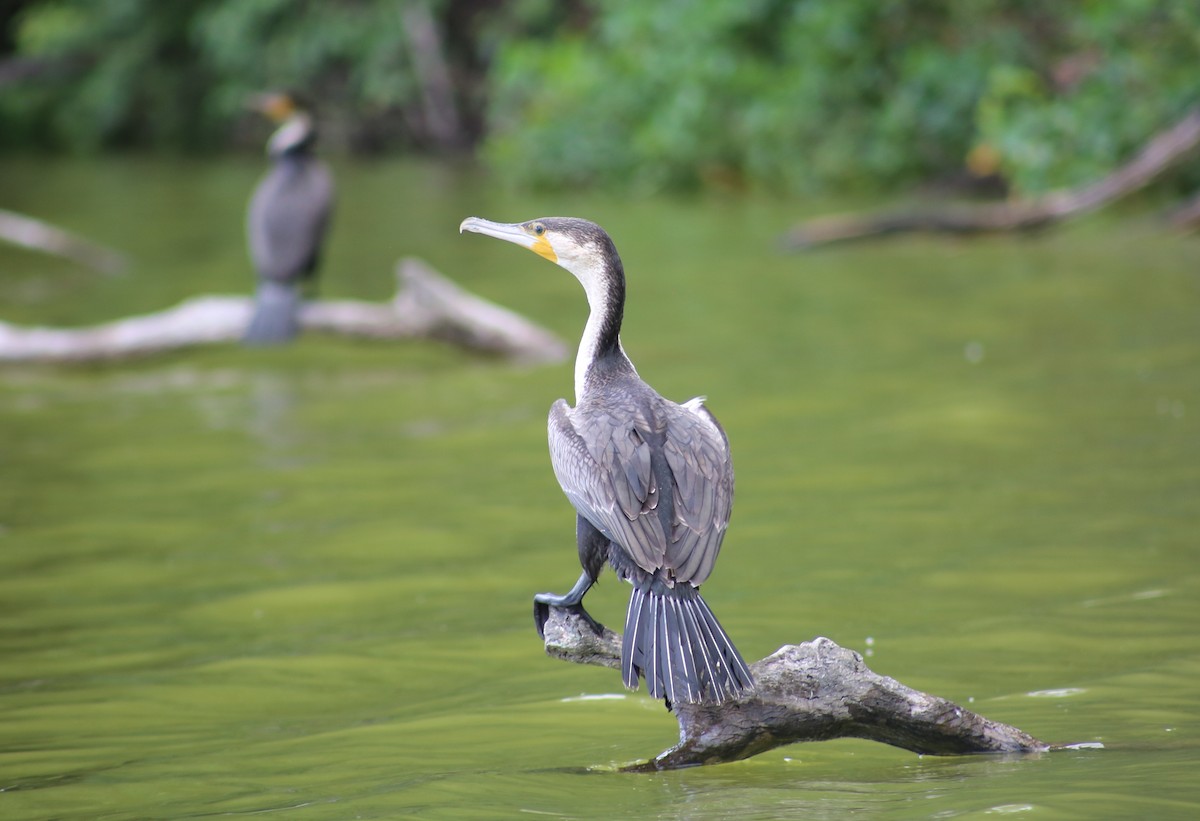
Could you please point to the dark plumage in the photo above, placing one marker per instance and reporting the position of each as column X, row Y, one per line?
column 286, row 222
column 651, row 482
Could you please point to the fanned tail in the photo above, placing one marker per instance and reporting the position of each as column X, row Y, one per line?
column 674, row 641
column 275, row 318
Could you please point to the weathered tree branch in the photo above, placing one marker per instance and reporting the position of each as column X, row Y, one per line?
column 814, row 691
column 42, row 236
column 427, row 305
column 1161, row 153
column 442, row 121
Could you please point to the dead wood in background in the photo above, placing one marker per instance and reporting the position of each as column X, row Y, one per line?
column 813, row 691
column 427, row 305
column 37, row 235
column 1161, row 153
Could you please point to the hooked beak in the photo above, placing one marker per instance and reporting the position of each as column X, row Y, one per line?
column 510, row 232
column 513, row 232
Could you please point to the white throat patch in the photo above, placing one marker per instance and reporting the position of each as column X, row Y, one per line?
column 289, row 135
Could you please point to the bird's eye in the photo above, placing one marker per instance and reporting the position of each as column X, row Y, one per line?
column 539, row 229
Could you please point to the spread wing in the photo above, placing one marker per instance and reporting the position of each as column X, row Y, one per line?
column 287, row 220
column 617, row 468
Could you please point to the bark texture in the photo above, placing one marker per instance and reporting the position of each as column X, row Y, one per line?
column 813, row 691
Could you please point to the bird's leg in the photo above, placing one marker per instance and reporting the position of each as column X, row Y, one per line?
column 571, row 600
column 593, row 552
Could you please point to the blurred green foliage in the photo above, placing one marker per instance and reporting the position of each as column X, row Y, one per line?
column 114, row 72
column 797, row 95
column 1119, row 70
column 177, row 74
column 813, row 94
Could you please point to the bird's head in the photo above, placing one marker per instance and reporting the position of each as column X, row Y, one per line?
column 277, row 106
column 586, row 250
column 580, row 246
column 296, row 131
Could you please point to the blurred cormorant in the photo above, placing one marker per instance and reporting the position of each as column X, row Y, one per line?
column 286, row 221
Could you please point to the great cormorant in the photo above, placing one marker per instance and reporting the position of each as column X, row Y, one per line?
column 651, row 482
column 286, row 221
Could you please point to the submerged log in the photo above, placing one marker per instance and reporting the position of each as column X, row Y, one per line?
column 427, row 305
column 1161, row 153
column 813, row 691
column 37, row 235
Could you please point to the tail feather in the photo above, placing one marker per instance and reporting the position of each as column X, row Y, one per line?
column 706, row 674
column 674, row 641
column 276, row 309
column 686, row 653
column 735, row 669
column 667, row 646
column 651, row 651
column 633, row 660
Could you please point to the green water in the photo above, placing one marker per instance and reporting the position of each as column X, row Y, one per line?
column 297, row 582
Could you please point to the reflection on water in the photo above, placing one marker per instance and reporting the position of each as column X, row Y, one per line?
column 298, row 581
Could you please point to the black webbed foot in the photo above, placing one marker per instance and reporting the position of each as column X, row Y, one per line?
column 571, row 600
column 541, row 614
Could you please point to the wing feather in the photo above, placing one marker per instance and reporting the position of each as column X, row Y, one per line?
column 697, row 452
column 605, row 466
column 287, row 218
column 594, row 471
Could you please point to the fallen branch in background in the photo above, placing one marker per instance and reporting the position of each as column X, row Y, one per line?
column 426, row 306
column 1162, row 152
column 814, row 691
column 42, row 236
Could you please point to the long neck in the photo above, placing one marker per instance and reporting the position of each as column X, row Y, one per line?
column 605, row 288
column 293, row 138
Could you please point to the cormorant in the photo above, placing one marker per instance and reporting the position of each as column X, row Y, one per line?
column 286, row 220
column 651, row 482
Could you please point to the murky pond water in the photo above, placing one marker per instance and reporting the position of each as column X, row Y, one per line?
column 297, row 582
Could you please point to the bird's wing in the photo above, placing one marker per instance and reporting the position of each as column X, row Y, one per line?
column 287, row 219
column 697, row 451
column 605, row 471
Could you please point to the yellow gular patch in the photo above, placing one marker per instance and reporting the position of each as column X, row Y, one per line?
column 541, row 247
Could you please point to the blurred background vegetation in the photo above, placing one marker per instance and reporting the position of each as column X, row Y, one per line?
column 791, row 95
